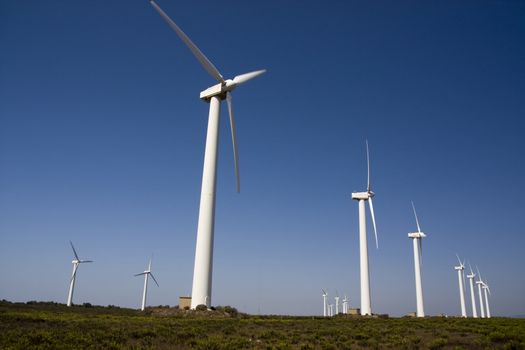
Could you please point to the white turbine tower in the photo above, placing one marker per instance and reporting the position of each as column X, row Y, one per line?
column 146, row 274
column 331, row 308
column 325, row 295
column 202, row 274
column 479, row 282
column 418, row 250
column 76, row 262
column 336, row 303
column 486, row 289
column 345, row 305
column 472, row 296
column 461, row 278
column 362, row 197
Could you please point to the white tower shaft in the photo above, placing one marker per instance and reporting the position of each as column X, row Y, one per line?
column 324, row 306
column 337, row 305
column 202, row 273
column 481, row 306
column 473, row 297
column 462, row 293
column 417, row 271
column 487, row 302
column 145, row 292
column 363, row 256
column 72, row 284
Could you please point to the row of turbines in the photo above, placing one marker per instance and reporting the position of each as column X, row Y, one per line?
column 328, row 309
column 76, row 263
column 483, row 291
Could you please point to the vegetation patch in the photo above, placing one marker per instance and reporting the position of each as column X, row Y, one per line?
column 54, row 326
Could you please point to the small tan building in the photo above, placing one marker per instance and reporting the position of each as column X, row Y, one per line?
column 184, row 302
column 354, row 311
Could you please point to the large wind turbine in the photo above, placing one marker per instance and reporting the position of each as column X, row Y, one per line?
column 418, row 250
column 202, row 274
column 461, row 278
column 362, row 197
column 479, row 282
column 146, row 274
column 325, row 295
column 472, row 296
column 76, row 262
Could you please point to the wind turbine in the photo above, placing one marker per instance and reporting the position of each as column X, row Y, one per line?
column 479, row 282
column 202, row 274
column 472, row 297
column 362, row 197
column 325, row 295
column 345, row 305
column 461, row 279
column 76, row 262
column 146, row 274
column 486, row 289
column 418, row 251
column 331, row 306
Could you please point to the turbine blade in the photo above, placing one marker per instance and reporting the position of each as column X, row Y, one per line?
column 470, row 266
column 74, row 251
column 324, row 293
column 239, row 79
column 369, row 186
column 420, row 251
column 149, row 265
column 479, row 274
column 417, row 221
column 373, row 219
column 154, row 280
column 73, row 275
column 205, row 62
column 234, row 141
column 85, row 261
column 140, row 274
column 458, row 259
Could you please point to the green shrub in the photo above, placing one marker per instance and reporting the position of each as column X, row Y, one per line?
column 201, row 307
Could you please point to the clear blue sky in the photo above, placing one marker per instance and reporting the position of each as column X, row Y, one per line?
column 102, row 138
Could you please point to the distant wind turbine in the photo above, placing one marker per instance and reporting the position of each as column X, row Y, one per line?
column 336, row 303
column 461, row 278
column 472, row 296
column 146, row 274
column 202, row 275
column 479, row 282
column 345, row 305
column 418, row 251
column 76, row 262
column 362, row 197
column 325, row 295
column 486, row 289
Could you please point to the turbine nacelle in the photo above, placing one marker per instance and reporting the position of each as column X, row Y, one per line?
column 223, row 87
column 416, row 235
column 461, row 267
column 362, row 195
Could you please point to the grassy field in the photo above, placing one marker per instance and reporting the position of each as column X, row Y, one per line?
column 54, row 326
